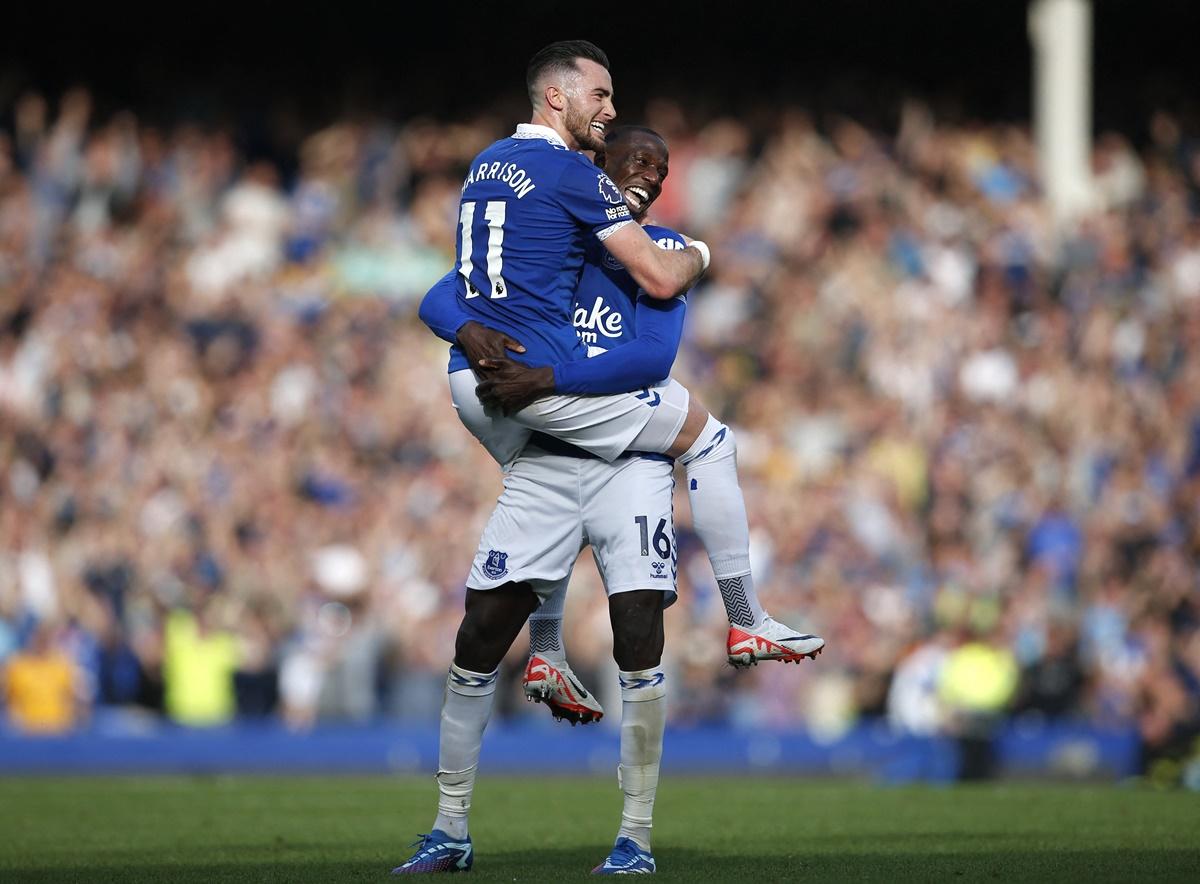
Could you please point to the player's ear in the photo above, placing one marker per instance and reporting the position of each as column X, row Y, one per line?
column 555, row 98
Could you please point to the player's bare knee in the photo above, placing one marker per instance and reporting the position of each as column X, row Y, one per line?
column 471, row 632
column 637, row 625
column 475, row 649
column 491, row 623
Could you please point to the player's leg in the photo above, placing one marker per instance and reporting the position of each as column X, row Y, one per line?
column 493, row 619
column 606, row 425
column 502, row 437
column 530, row 543
column 545, row 626
column 549, row 678
column 707, row 449
column 491, row 623
column 628, row 521
column 532, row 538
column 637, row 622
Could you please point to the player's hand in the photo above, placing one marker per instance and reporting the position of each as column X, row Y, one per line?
column 481, row 343
column 509, row 386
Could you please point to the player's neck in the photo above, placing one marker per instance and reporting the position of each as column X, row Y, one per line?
column 557, row 126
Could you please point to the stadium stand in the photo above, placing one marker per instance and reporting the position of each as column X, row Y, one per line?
column 232, row 485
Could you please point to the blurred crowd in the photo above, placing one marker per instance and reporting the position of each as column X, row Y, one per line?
column 232, row 484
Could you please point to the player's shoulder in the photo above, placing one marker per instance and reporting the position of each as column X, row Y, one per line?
column 500, row 144
column 553, row 159
column 584, row 180
column 665, row 237
column 527, row 146
column 582, row 161
column 580, row 167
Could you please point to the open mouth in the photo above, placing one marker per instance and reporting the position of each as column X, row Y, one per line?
column 636, row 197
column 599, row 128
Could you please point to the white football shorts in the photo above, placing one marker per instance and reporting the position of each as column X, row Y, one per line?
column 648, row 420
column 553, row 505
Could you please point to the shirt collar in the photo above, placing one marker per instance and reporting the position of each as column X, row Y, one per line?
column 533, row 130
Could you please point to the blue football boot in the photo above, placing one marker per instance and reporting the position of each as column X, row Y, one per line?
column 438, row 852
column 626, row 859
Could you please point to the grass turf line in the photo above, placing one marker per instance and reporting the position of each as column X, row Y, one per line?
column 215, row 829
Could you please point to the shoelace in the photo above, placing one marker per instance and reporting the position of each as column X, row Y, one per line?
column 424, row 851
column 627, row 855
column 424, row 839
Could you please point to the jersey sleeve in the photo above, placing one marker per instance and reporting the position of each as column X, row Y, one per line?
column 665, row 237
column 590, row 197
column 440, row 309
column 645, row 360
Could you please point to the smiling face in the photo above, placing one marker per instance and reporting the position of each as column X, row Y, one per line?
column 588, row 96
column 638, row 162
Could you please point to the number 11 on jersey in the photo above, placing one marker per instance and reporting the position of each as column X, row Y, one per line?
column 493, row 213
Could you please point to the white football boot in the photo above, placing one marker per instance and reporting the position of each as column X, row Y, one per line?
column 774, row 641
column 556, row 685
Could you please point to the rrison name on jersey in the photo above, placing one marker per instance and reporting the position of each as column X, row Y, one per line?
column 510, row 173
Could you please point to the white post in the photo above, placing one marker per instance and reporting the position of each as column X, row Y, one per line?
column 1061, row 34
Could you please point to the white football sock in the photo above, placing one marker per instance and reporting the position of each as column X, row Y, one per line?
column 643, row 716
column 465, row 713
column 719, row 517
column 545, row 627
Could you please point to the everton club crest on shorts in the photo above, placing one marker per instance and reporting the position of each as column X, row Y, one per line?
column 496, row 565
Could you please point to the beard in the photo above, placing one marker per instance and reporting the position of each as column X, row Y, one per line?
column 580, row 127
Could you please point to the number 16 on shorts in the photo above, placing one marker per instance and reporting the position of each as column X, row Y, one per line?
column 662, row 542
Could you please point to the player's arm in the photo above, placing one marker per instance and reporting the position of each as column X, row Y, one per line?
column 661, row 273
column 589, row 196
column 510, row 386
column 442, row 312
column 645, row 360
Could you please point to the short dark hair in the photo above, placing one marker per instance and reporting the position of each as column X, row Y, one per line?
column 622, row 132
column 561, row 56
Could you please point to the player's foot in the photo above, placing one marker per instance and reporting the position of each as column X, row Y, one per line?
column 626, row 859
column 773, row 641
column 438, row 852
column 556, row 685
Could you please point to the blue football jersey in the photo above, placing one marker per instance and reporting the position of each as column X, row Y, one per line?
column 530, row 208
column 607, row 295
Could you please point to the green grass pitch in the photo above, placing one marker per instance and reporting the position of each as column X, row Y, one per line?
column 179, row 829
